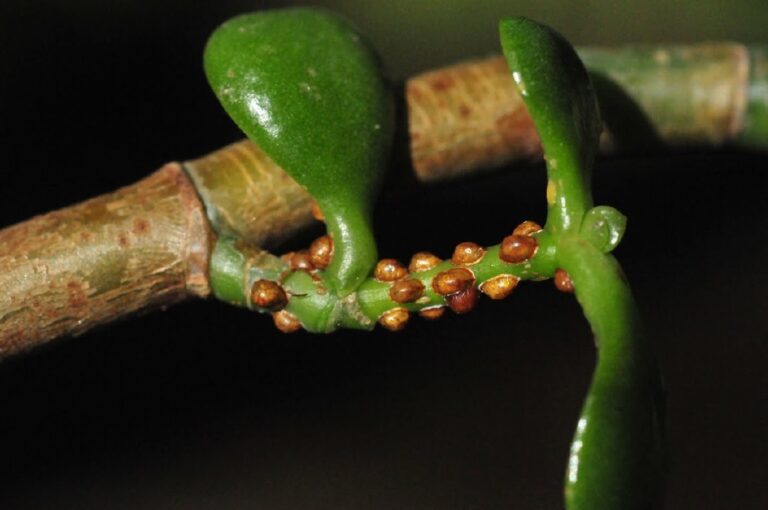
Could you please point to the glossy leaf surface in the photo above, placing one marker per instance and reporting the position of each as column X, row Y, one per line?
column 616, row 457
column 561, row 100
column 306, row 88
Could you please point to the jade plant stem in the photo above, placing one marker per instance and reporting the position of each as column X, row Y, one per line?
column 237, row 267
column 279, row 72
column 616, row 458
column 238, row 183
column 470, row 115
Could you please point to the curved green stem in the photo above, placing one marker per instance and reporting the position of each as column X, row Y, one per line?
column 355, row 251
column 617, row 451
column 235, row 267
column 561, row 100
column 616, row 455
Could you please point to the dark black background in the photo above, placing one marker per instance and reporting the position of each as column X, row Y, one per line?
column 206, row 406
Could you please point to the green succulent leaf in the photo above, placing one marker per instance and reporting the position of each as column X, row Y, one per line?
column 560, row 98
column 617, row 452
column 307, row 88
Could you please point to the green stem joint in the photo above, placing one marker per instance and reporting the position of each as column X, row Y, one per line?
column 330, row 127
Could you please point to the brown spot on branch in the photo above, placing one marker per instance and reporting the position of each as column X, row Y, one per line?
column 140, row 226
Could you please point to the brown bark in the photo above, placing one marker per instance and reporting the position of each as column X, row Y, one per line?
column 466, row 117
column 148, row 244
column 248, row 196
column 470, row 116
column 64, row 272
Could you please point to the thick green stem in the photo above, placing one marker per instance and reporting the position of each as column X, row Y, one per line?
column 236, row 266
column 374, row 295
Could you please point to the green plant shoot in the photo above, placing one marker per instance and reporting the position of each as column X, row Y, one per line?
column 306, row 87
column 616, row 457
column 303, row 85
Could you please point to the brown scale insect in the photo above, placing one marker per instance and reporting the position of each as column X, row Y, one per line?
column 286, row 322
column 394, row 319
column 499, row 287
column 423, row 261
column 452, row 281
column 389, row 270
column 432, row 313
column 268, row 294
column 467, row 253
column 563, row 281
column 321, row 251
column 516, row 248
column 463, row 301
column 527, row 228
column 316, row 212
column 406, row 291
column 301, row 260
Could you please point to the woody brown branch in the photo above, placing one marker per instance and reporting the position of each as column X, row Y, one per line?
column 147, row 245
column 143, row 246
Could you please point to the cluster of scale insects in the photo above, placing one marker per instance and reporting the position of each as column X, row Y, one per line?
column 457, row 285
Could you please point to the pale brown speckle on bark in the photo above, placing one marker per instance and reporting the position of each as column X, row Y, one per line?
column 465, row 117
